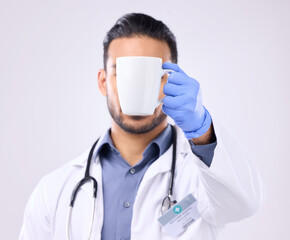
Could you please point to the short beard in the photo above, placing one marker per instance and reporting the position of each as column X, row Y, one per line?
column 131, row 129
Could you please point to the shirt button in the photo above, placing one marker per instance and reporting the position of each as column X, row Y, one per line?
column 126, row 204
column 122, row 239
column 132, row 170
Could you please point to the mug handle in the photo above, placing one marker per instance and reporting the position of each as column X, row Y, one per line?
column 164, row 71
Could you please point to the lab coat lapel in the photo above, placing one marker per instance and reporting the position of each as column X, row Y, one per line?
column 96, row 172
column 87, row 188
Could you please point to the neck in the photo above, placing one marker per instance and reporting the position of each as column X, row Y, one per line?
column 131, row 146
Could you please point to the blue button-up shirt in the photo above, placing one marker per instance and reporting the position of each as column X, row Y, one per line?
column 121, row 180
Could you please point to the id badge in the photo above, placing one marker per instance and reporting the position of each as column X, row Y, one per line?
column 177, row 219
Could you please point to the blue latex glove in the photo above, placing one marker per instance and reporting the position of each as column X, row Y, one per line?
column 183, row 102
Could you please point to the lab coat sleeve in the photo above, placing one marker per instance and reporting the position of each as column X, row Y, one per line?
column 36, row 222
column 230, row 189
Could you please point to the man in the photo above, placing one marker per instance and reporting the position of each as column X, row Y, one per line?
column 132, row 160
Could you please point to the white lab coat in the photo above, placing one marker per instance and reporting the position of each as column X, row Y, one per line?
column 230, row 190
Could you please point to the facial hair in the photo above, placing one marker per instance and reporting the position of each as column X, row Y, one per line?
column 129, row 128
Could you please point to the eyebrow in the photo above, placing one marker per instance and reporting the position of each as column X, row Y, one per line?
column 114, row 66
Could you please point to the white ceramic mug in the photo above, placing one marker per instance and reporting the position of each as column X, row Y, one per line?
column 138, row 83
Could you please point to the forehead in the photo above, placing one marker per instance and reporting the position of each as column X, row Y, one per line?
column 137, row 46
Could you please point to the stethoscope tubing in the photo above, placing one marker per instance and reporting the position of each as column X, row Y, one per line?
column 88, row 178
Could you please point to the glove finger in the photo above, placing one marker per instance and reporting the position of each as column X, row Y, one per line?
column 173, row 89
column 178, row 78
column 175, row 102
column 173, row 66
column 168, row 111
column 182, row 79
column 175, row 115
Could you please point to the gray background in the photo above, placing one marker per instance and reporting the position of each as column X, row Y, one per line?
column 51, row 108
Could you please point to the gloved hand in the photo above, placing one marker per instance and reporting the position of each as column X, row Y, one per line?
column 183, row 102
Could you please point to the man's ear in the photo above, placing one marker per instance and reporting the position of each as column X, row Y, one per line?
column 102, row 81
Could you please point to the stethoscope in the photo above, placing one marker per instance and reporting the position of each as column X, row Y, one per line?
column 167, row 202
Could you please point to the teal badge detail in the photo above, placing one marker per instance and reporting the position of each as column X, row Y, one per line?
column 177, row 209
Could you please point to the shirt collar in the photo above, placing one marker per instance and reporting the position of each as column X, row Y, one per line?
column 106, row 140
column 163, row 141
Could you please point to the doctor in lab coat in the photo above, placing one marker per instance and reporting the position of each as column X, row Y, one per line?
column 228, row 190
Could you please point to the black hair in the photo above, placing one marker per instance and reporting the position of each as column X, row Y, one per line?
column 139, row 24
